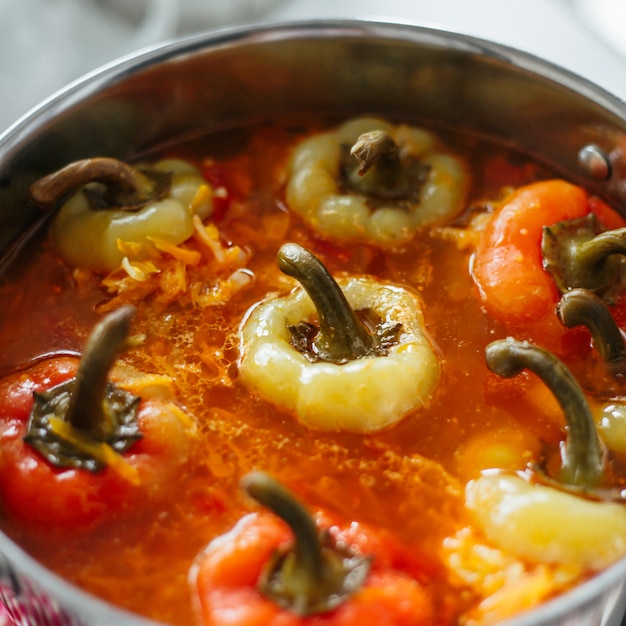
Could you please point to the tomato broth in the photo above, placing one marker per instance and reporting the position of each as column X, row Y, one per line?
column 407, row 479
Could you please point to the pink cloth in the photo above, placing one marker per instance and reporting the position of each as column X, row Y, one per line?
column 30, row 609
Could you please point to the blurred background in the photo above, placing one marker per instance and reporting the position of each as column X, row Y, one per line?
column 46, row 44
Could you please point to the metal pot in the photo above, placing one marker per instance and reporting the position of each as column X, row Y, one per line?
column 237, row 77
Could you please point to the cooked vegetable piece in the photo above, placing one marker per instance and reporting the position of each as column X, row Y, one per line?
column 547, row 525
column 610, row 416
column 505, row 446
column 75, row 447
column 508, row 264
column 510, row 585
column 112, row 201
column 289, row 568
column 372, row 182
column 367, row 364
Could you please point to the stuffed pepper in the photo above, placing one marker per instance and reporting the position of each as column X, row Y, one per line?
column 544, row 239
column 369, row 181
column 76, row 447
column 287, row 567
column 105, row 201
column 568, row 507
column 352, row 355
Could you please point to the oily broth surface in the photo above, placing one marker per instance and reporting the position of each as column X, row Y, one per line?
column 408, row 479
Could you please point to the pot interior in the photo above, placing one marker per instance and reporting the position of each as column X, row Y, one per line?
column 236, row 78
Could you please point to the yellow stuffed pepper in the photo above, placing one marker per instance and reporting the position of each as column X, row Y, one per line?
column 348, row 355
column 372, row 182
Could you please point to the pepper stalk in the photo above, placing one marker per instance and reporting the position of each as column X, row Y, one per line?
column 581, row 307
column 313, row 575
column 88, row 421
column 390, row 176
column 604, row 380
column 580, row 253
column 583, row 459
column 342, row 336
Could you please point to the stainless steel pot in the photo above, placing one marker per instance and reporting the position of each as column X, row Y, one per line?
column 237, row 77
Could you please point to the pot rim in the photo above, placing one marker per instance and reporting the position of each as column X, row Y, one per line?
column 612, row 579
column 110, row 73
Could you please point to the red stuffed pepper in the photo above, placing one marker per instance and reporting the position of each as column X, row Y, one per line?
column 537, row 246
column 75, row 448
column 300, row 570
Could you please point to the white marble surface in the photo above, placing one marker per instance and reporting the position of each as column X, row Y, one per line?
column 45, row 44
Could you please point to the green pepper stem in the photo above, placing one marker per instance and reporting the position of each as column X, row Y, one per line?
column 378, row 156
column 375, row 147
column 591, row 253
column 122, row 181
column 582, row 456
column 581, row 307
column 272, row 495
column 107, row 340
column 313, row 576
column 579, row 254
column 342, row 337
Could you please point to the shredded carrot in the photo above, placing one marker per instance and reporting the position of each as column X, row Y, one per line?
column 507, row 585
column 182, row 417
column 188, row 257
column 204, row 269
column 215, row 364
column 97, row 449
column 524, row 592
column 202, row 197
column 149, row 385
column 132, row 249
column 138, row 271
column 209, row 236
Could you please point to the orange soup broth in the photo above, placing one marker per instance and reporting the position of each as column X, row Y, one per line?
column 408, row 479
